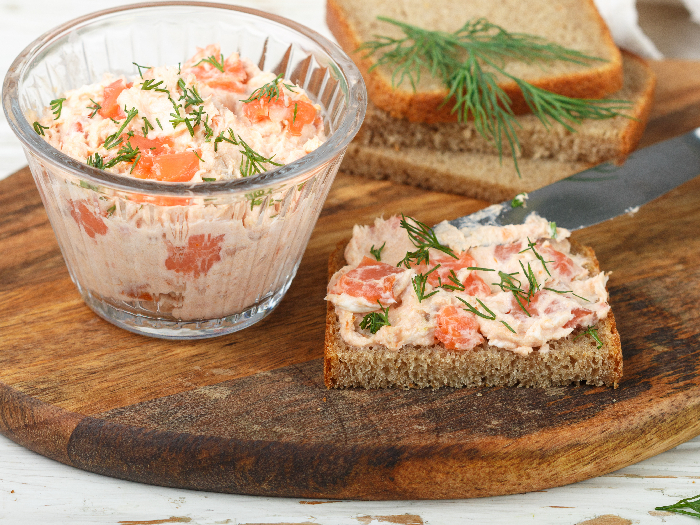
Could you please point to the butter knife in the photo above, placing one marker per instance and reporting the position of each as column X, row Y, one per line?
column 604, row 191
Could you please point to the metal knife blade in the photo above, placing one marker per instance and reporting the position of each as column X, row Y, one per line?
column 604, row 191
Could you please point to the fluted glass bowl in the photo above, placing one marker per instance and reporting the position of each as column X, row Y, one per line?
column 182, row 260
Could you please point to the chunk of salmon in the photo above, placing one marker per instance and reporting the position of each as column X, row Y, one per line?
column 197, row 258
column 171, row 167
column 373, row 281
column 295, row 114
column 457, row 329
column 110, row 107
column 91, row 223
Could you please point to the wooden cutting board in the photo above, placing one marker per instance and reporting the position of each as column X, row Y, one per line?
column 248, row 413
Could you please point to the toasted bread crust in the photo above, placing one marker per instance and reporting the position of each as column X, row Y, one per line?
column 428, row 106
column 572, row 359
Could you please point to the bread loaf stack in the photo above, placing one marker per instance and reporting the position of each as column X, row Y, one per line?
column 412, row 136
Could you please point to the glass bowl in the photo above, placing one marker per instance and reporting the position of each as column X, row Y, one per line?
column 182, row 260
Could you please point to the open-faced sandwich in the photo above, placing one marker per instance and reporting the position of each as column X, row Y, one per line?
column 416, row 307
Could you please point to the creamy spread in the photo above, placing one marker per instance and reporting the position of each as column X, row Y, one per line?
column 516, row 287
column 185, row 258
column 189, row 123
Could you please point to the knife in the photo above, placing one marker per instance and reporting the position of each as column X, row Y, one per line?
column 604, row 191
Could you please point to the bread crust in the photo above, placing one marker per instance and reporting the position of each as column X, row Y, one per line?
column 572, row 359
column 428, row 105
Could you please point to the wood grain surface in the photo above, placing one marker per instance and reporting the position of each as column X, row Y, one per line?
column 248, row 413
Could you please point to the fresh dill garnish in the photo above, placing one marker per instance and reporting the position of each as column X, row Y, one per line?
column 127, row 153
column 252, row 162
column 593, row 332
column 212, row 61
column 458, row 59
column 534, row 286
column 479, row 268
column 159, row 124
column 455, row 286
column 198, row 156
column 95, row 108
column 691, row 506
column 552, row 229
column 140, row 68
column 197, row 115
column 511, row 284
column 490, row 317
column 375, row 320
column 114, row 139
column 518, row 200
column 419, row 282
column 269, row 91
column 566, row 291
column 57, row 107
column 111, row 210
column 151, row 84
column 146, row 126
column 221, row 138
column 190, row 96
column 208, row 132
column 531, row 246
column 39, row 128
column 208, row 179
column 423, row 238
column 96, row 161
column 178, row 119
column 377, row 252
column 136, row 161
column 296, row 106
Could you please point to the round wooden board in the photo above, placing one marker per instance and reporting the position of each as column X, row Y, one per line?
column 248, row 413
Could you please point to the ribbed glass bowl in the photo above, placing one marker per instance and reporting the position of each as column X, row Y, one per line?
column 182, row 260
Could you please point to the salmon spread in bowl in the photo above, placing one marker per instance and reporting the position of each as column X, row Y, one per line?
column 209, row 119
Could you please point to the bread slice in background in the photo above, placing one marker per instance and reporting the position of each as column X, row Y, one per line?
column 575, row 24
column 387, row 148
column 572, row 359
column 593, row 142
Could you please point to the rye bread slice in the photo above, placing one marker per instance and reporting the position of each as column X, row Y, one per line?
column 572, row 23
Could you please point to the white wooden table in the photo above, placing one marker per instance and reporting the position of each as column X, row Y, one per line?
column 34, row 489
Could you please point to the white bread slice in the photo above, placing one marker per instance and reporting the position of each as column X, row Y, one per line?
column 386, row 148
column 573, row 359
column 575, row 24
column 593, row 142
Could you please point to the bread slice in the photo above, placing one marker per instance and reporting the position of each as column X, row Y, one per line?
column 593, row 142
column 573, row 359
column 574, row 24
column 436, row 156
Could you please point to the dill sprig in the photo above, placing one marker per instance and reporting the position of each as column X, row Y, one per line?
column 127, row 153
column 419, row 282
column 57, row 107
column 593, row 332
column 151, row 85
column 140, row 68
column 252, row 162
column 95, row 108
column 270, row 91
column 114, row 139
column 455, row 286
column 458, row 60
column 377, row 252
column 375, row 320
column 39, row 128
column 423, row 238
column 688, row 506
column 490, row 317
column 566, row 291
column 190, row 96
column 531, row 246
column 511, row 284
column 212, row 61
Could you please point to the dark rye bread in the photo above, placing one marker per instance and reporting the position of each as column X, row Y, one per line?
column 592, row 142
column 570, row 360
column 386, row 148
column 575, row 24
